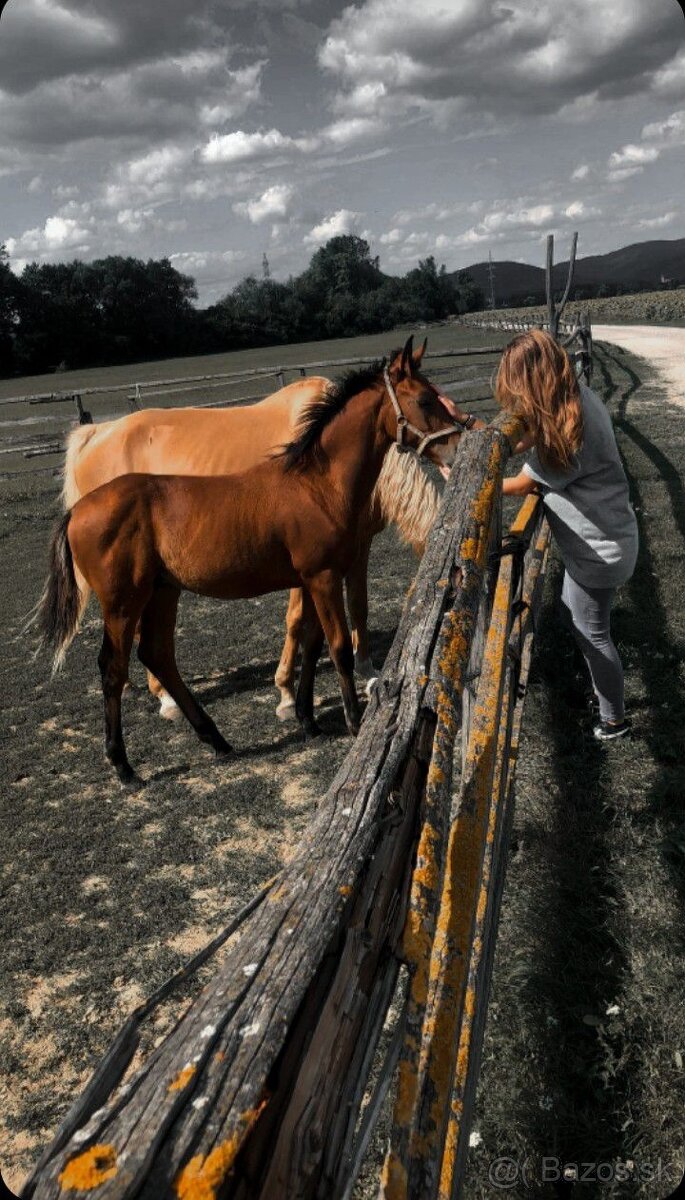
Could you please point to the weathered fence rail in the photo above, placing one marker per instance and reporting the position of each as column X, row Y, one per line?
column 37, row 422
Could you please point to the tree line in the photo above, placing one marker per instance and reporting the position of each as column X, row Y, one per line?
column 118, row 310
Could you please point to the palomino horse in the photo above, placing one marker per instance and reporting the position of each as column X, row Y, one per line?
column 192, row 441
column 139, row 540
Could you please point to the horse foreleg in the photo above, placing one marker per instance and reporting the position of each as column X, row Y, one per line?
column 156, row 652
column 327, row 593
column 285, row 673
column 312, row 643
column 113, row 663
column 356, row 586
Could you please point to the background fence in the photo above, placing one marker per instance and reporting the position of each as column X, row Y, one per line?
column 33, row 426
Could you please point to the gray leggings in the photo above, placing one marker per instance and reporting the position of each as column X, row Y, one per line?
column 590, row 610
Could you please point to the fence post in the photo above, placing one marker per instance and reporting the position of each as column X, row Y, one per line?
column 84, row 417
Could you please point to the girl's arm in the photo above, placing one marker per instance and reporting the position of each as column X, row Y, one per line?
column 519, row 485
column 525, row 444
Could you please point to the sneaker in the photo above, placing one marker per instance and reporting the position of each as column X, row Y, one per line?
column 604, row 731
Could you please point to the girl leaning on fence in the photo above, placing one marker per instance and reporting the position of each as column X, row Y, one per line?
column 573, row 461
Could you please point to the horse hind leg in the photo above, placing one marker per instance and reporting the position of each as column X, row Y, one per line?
column 285, row 672
column 156, row 652
column 113, row 662
column 356, row 586
column 312, row 644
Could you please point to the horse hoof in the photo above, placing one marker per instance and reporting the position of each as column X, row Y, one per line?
column 131, row 782
column 223, row 750
column 168, row 709
column 311, row 730
column 286, row 711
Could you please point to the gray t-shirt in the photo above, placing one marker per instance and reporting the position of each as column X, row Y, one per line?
column 588, row 508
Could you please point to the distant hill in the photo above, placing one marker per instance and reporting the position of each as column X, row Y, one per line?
column 636, row 267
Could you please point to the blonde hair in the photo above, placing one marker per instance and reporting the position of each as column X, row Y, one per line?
column 536, row 380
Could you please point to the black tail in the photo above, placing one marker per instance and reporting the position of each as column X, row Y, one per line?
column 60, row 607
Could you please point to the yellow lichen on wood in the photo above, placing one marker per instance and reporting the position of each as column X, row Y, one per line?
column 345, row 890
column 89, row 1170
column 393, row 1179
column 182, row 1079
column 203, row 1176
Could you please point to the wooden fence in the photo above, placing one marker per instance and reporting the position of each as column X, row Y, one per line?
column 36, row 423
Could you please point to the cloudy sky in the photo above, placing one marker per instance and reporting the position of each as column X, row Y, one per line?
column 217, row 131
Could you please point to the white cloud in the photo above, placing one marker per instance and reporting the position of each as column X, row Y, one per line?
column 618, row 176
column 633, row 156
column 272, row 204
column 340, row 222
column 156, row 166
column 351, row 129
column 391, row 238
column 581, row 172
column 657, row 222
column 656, row 137
column 669, row 80
column 57, row 234
column 239, row 145
column 243, row 88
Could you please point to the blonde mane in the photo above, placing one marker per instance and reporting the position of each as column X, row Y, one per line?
column 406, row 496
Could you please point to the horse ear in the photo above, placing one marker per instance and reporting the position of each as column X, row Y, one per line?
column 407, row 359
column 418, row 354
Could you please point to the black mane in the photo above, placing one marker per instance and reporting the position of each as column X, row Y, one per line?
column 299, row 453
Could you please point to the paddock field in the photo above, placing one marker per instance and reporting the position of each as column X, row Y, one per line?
column 104, row 894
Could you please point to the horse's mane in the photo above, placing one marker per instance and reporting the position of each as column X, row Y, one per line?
column 306, row 447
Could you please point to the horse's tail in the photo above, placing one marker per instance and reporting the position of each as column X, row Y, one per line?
column 77, row 440
column 406, row 496
column 58, row 612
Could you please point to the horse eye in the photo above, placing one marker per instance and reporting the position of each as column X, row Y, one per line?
column 425, row 401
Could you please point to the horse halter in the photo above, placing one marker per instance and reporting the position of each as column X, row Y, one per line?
column 404, row 426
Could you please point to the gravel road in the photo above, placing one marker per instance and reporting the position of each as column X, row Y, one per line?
column 662, row 345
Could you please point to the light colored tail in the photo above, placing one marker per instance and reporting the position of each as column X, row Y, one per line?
column 78, row 438
column 406, row 497
column 59, row 610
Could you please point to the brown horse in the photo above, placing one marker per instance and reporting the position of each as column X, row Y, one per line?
column 141, row 539
column 191, row 441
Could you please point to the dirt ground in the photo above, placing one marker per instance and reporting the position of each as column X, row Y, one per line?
column 104, row 894
column 662, row 346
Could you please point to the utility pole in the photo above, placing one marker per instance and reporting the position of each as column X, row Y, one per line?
column 491, row 276
column 266, row 269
